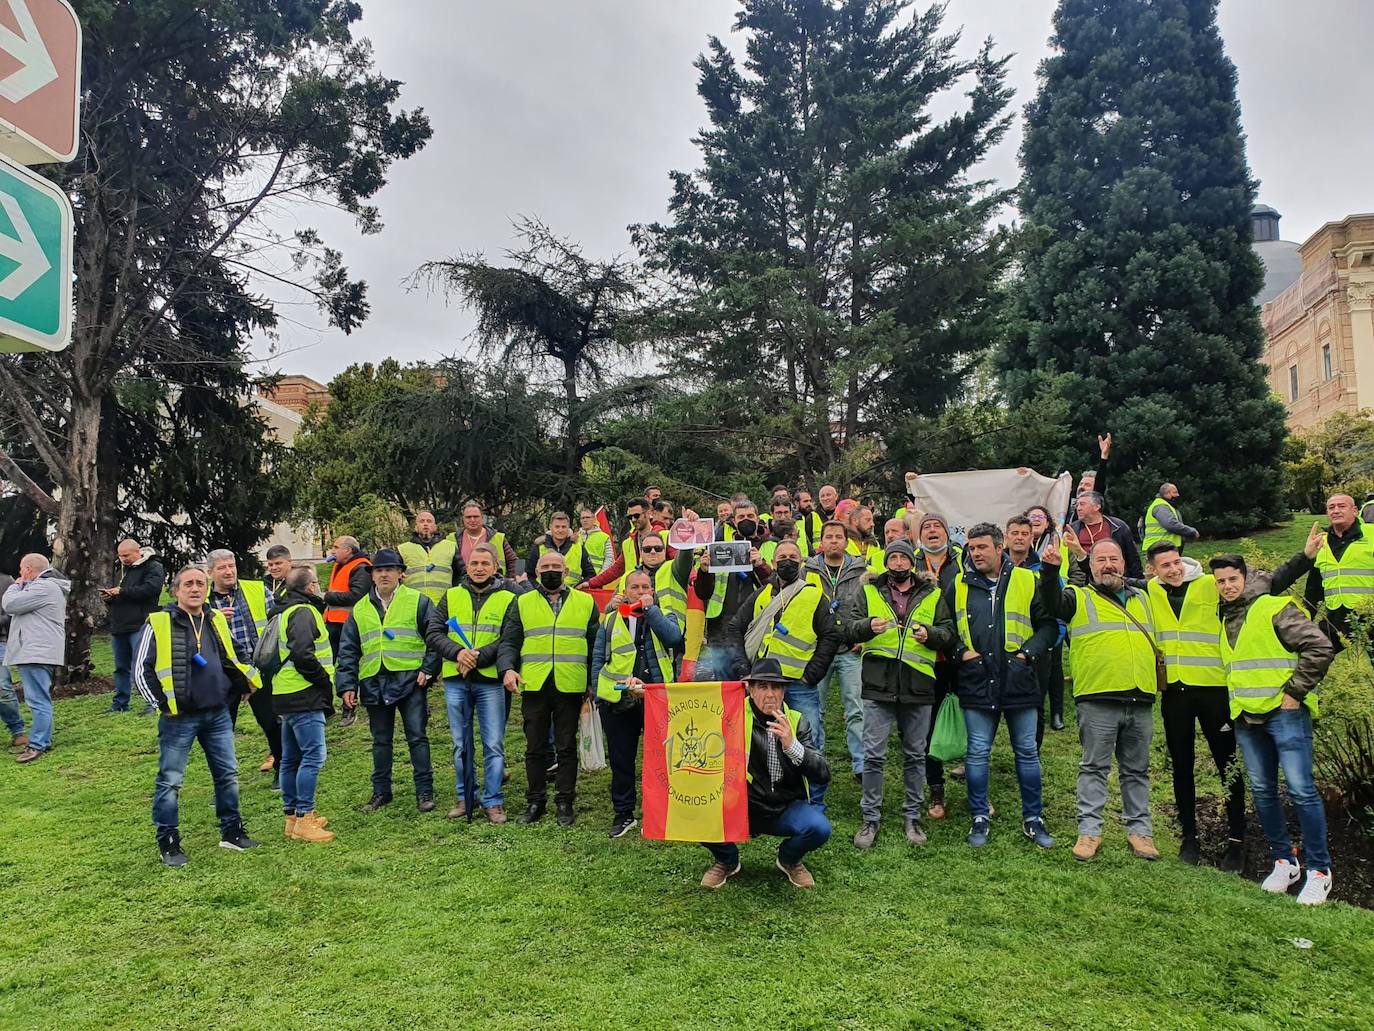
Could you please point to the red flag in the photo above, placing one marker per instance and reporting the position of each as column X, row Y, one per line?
column 695, row 757
column 603, row 521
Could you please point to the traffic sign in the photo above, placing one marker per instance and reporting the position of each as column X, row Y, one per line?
column 40, row 80
column 35, row 262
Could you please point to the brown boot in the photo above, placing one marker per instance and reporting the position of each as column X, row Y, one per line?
column 19, row 740
column 307, row 829
column 290, row 824
column 937, row 802
column 458, row 811
column 1086, row 847
column 1142, row 846
column 495, row 813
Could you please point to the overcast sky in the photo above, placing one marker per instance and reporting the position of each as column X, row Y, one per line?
column 575, row 111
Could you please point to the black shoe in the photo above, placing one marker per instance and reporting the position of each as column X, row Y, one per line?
column 1056, row 722
column 171, row 851
column 505, row 777
column 534, row 813
column 859, row 779
column 114, row 709
column 565, row 814
column 350, row 717
column 237, row 840
column 276, row 783
column 622, row 825
column 1189, row 852
column 425, row 803
column 150, row 711
column 1233, row 861
column 376, row 802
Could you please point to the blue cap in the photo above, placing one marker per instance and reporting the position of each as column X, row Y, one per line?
column 387, row 558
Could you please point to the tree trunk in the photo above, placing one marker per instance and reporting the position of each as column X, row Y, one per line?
column 76, row 549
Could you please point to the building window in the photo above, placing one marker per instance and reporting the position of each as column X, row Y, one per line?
column 1327, row 373
column 1292, row 382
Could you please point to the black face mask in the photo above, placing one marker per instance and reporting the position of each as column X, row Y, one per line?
column 551, row 579
column 899, row 576
column 788, row 570
column 746, row 528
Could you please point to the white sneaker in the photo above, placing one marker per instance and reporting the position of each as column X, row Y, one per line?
column 1282, row 877
column 1316, row 889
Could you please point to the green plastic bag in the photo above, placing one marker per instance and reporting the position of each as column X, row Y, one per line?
column 950, row 740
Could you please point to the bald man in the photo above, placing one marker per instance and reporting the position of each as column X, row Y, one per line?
column 138, row 582
column 1339, row 562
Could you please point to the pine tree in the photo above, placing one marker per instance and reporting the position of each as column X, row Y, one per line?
column 1138, row 277
column 835, row 254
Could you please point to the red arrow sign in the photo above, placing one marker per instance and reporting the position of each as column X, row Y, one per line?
column 40, row 76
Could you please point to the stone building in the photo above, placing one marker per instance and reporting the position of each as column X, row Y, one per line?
column 1318, row 316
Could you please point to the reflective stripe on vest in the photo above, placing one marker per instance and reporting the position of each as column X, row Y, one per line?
column 161, row 622
column 395, row 639
column 555, row 645
column 792, row 638
column 1190, row 641
column 429, row 570
column 255, row 597
column 288, row 680
column 1350, row 580
column 1109, row 651
column 897, row 642
column 572, row 558
column 668, row 593
column 1259, row 665
column 620, row 658
column 594, row 544
column 1016, row 608
column 1154, row 532
column 338, row 581
column 482, row 627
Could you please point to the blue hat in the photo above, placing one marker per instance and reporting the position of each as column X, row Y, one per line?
column 387, row 558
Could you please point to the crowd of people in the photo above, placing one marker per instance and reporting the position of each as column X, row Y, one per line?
column 892, row 625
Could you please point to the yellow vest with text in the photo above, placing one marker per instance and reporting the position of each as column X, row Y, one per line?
column 161, row 623
column 1260, row 664
column 429, row 570
column 288, row 680
column 555, row 646
column 395, row 638
column 792, row 638
column 897, row 641
column 1109, row 652
column 482, row 627
column 1190, row 641
column 620, row 658
column 1348, row 582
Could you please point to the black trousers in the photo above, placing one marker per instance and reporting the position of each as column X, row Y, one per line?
column 624, row 726
column 1051, row 674
column 261, row 704
column 1210, row 708
column 539, row 710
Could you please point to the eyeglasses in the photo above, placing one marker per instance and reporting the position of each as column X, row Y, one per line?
column 650, row 550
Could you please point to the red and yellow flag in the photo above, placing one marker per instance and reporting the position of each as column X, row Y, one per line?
column 695, row 786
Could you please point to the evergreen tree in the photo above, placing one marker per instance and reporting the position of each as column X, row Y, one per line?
column 835, row 256
column 1139, row 281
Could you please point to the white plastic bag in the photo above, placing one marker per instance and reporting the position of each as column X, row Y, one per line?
column 591, row 740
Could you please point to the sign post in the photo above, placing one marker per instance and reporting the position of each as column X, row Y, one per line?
column 40, row 97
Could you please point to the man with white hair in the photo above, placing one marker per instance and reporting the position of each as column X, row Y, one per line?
column 37, row 606
column 243, row 604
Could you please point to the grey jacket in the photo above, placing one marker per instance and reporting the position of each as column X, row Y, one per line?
column 38, row 620
column 1296, row 632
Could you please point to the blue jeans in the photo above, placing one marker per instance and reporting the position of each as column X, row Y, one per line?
column 37, row 681
column 846, row 671
column 802, row 826
column 712, row 664
column 488, row 701
column 123, row 647
column 807, row 701
column 9, row 701
column 302, row 757
column 982, row 729
column 1285, row 740
column 175, row 735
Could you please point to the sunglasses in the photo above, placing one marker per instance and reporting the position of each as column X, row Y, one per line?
column 650, row 550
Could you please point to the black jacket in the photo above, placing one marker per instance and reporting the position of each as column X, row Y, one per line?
column 439, row 641
column 140, row 590
column 196, row 687
column 737, row 587
column 766, row 799
column 513, row 638
column 823, row 624
column 998, row 679
column 891, row 680
column 301, row 629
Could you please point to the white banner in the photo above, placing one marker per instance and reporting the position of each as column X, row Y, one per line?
column 988, row 495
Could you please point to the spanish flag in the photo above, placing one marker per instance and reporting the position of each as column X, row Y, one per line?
column 695, row 786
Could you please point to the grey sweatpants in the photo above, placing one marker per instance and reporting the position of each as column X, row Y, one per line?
column 1125, row 729
column 914, row 723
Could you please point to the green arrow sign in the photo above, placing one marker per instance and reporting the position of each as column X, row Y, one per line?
column 35, row 262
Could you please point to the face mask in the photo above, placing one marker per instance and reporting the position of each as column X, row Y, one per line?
column 788, row 570
column 931, row 549
column 551, row 579
column 899, row 576
column 746, row 527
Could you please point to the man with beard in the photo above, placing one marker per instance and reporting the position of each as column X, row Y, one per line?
column 1115, row 681
column 429, row 558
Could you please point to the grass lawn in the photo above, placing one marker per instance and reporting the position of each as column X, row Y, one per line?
column 413, row 921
